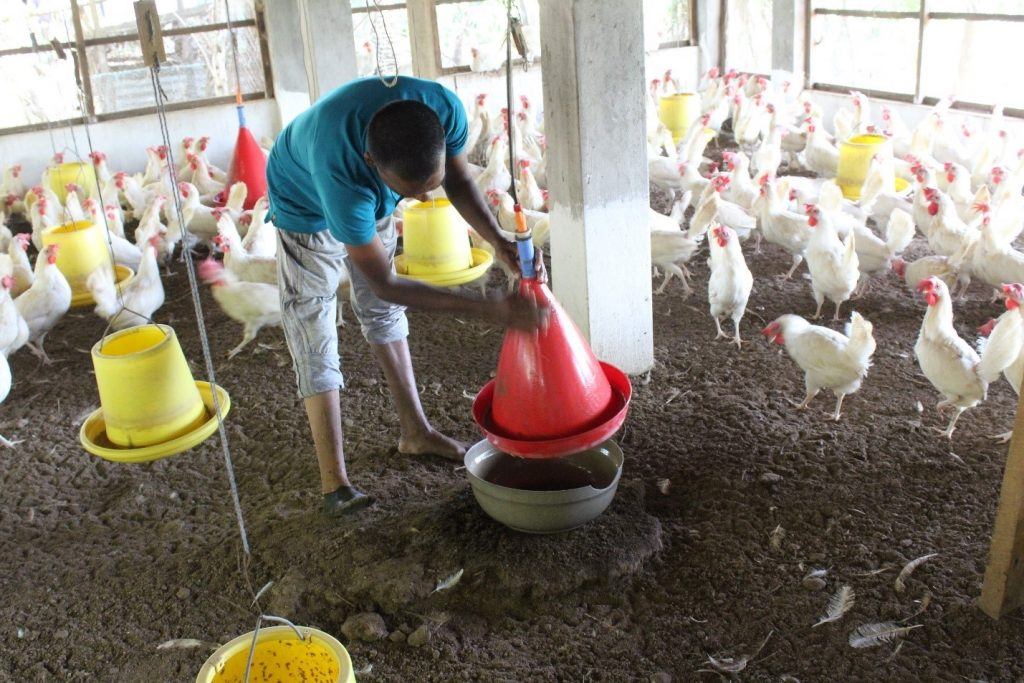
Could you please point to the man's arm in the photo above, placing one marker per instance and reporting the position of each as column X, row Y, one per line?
column 466, row 198
column 372, row 261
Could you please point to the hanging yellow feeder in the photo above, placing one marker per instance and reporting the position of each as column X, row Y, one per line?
column 82, row 249
column 678, row 112
column 280, row 656
column 150, row 406
column 855, row 155
column 435, row 239
column 78, row 172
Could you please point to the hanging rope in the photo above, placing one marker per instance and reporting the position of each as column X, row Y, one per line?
column 388, row 63
column 509, row 107
column 234, row 52
column 160, row 97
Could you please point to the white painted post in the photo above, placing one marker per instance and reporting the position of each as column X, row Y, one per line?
column 312, row 50
column 423, row 38
column 597, row 173
column 788, row 24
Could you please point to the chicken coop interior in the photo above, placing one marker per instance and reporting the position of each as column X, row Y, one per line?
column 511, row 340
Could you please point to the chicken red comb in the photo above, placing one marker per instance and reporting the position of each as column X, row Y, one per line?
column 986, row 329
column 210, row 269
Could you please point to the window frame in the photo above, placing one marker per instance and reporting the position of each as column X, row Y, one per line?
column 76, row 51
column 923, row 16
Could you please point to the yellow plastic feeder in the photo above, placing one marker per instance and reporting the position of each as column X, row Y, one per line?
column 855, row 155
column 280, row 655
column 435, row 239
column 678, row 112
column 150, row 406
column 82, row 249
column 78, row 172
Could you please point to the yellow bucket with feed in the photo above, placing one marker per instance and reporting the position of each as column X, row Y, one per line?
column 82, row 249
column 855, row 155
column 678, row 112
column 280, row 656
column 147, row 393
column 435, row 239
column 77, row 172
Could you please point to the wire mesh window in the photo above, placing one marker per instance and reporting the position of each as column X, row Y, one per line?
column 668, row 23
column 87, row 63
column 748, row 38
column 370, row 27
column 471, row 33
column 920, row 50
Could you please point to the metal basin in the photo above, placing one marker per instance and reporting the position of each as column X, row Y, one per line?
column 544, row 496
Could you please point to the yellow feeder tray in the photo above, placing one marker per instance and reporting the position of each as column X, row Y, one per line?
column 93, row 434
column 280, row 656
column 82, row 248
column 121, row 273
column 901, row 185
column 482, row 260
column 855, row 157
column 435, row 239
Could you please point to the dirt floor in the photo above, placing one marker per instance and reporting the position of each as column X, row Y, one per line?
column 729, row 498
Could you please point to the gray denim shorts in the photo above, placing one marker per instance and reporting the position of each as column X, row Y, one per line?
column 311, row 267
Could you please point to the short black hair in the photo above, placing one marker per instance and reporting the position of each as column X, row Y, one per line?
column 406, row 137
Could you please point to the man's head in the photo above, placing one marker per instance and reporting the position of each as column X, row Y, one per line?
column 405, row 144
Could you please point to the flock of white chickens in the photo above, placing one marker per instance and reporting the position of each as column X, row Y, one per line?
column 964, row 197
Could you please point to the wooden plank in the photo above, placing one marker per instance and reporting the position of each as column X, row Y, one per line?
column 974, row 16
column 1003, row 590
column 866, row 14
column 82, row 63
column 150, row 37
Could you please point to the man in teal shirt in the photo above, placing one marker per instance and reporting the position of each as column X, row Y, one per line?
column 334, row 177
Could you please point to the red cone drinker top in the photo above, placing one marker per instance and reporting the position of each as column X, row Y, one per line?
column 551, row 396
column 248, row 165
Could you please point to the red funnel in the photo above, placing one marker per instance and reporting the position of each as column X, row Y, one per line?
column 551, row 396
column 248, row 165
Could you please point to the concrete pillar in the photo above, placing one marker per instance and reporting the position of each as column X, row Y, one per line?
column 423, row 38
column 328, row 33
column 287, row 62
column 597, row 173
column 709, row 29
column 312, row 50
column 788, row 24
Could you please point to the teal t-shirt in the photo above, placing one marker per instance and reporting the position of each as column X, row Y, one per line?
column 316, row 176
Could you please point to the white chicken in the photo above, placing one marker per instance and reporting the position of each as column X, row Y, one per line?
column 45, row 302
column 238, row 262
column 254, row 304
column 925, row 267
column 529, row 192
column 12, row 182
column 830, row 360
column 947, row 234
column 201, row 219
column 671, row 247
column 730, row 281
column 950, row 364
column 22, row 271
column 713, row 208
column 1014, row 372
column 5, row 390
column 141, row 296
column 202, row 179
column 13, row 328
column 495, row 175
column 820, row 155
column 833, row 264
column 125, row 253
column 994, row 261
column 780, row 226
column 875, row 255
column 261, row 237
column 741, row 189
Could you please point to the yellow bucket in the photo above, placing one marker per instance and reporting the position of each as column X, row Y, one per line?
column 147, row 393
column 855, row 157
column 77, row 172
column 280, row 656
column 435, row 239
column 678, row 112
column 82, row 249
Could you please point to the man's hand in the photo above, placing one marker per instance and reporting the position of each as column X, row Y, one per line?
column 521, row 313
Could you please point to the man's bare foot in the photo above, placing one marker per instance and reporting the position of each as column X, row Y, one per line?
column 432, row 443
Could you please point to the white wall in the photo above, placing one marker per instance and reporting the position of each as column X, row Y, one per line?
column 125, row 140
